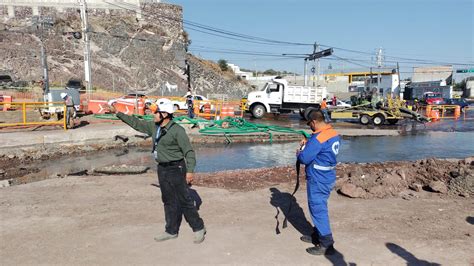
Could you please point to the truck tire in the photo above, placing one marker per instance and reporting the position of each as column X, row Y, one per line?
column 258, row 111
column 378, row 119
column 308, row 111
column 365, row 119
column 302, row 113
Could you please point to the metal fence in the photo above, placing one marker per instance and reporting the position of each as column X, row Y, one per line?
column 19, row 114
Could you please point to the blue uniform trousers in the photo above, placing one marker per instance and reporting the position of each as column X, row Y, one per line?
column 318, row 195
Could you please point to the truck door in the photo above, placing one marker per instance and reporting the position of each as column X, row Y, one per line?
column 274, row 92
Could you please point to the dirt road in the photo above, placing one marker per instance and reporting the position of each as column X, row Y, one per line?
column 112, row 220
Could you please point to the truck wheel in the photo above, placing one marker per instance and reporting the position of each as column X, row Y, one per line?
column 258, row 111
column 364, row 119
column 302, row 113
column 379, row 119
column 308, row 111
column 392, row 121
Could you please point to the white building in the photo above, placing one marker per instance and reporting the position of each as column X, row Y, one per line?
column 239, row 73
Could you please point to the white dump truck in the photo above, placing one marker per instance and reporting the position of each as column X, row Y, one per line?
column 277, row 97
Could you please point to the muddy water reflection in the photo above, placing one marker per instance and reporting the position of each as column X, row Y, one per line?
column 246, row 156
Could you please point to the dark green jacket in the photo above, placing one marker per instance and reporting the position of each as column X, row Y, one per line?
column 173, row 146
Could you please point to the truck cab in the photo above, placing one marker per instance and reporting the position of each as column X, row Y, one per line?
column 277, row 97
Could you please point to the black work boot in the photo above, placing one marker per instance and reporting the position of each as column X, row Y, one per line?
column 319, row 250
column 312, row 239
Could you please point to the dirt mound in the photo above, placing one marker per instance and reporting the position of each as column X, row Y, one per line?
column 380, row 180
column 371, row 180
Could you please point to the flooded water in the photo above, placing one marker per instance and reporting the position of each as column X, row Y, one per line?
column 213, row 158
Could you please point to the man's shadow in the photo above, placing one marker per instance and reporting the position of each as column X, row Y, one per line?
column 296, row 217
column 294, row 214
column 407, row 256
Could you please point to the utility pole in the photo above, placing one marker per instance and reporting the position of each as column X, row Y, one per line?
column 313, row 57
column 87, row 50
column 306, row 72
column 399, row 82
column 318, row 66
column 187, row 72
column 370, row 80
column 44, row 64
column 379, row 65
column 41, row 24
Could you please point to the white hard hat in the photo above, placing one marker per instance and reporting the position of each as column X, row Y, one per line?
column 188, row 93
column 63, row 95
column 165, row 105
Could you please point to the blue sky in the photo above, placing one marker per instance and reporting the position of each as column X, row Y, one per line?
column 432, row 30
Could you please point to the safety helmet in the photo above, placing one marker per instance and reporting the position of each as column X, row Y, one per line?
column 165, row 105
column 63, row 95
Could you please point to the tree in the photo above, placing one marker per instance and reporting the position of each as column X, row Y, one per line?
column 460, row 86
column 223, row 65
column 270, row 72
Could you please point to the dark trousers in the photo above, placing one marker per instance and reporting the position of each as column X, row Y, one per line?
column 176, row 198
column 190, row 111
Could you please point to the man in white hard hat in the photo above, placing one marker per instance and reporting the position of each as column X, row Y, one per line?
column 190, row 104
column 176, row 162
column 70, row 110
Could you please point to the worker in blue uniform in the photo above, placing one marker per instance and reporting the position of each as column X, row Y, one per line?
column 318, row 154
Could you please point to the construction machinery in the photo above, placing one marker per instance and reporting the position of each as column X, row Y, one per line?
column 391, row 112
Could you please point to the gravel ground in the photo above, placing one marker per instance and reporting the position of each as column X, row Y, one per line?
column 112, row 220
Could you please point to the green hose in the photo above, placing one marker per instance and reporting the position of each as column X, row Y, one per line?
column 235, row 126
column 239, row 126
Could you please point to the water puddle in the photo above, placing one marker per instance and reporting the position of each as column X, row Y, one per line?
column 211, row 158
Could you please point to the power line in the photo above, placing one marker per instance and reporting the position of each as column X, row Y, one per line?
column 209, row 29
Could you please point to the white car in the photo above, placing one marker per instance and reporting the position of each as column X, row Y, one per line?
column 181, row 104
column 339, row 104
column 131, row 97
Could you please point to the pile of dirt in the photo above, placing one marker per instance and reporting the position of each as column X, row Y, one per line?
column 380, row 180
column 368, row 180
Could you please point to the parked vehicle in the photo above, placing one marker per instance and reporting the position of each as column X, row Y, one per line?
column 131, row 97
column 339, row 104
column 277, row 97
column 457, row 101
column 182, row 105
column 433, row 98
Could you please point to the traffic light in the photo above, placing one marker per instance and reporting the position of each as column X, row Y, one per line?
column 320, row 54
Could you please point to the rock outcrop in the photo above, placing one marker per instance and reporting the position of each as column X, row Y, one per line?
column 128, row 54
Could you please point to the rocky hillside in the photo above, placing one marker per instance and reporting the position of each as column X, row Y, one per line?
column 128, row 54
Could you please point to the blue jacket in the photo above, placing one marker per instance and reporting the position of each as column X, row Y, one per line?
column 319, row 155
